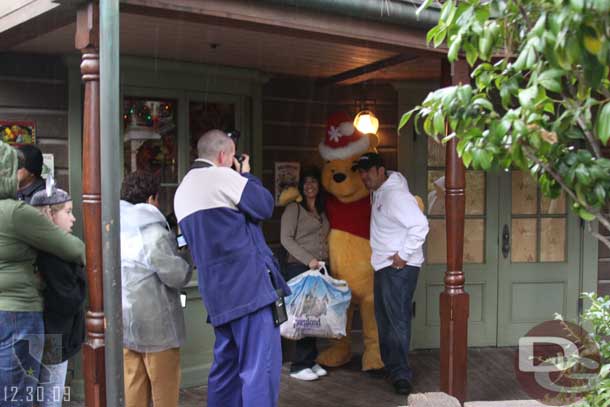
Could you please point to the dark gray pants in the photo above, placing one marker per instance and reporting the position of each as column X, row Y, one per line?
column 394, row 289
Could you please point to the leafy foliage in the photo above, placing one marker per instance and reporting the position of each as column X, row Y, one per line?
column 540, row 96
column 598, row 316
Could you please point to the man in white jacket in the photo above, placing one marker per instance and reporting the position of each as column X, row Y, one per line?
column 398, row 232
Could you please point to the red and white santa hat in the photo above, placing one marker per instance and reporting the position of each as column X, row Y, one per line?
column 342, row 140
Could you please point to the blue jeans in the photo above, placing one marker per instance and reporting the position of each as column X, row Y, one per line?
column 52, row 385
column 21, row 344
column 394, row 289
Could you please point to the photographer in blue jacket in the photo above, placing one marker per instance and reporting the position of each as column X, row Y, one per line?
column 219, row 211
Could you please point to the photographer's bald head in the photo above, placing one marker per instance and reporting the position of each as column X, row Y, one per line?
column 216, row 146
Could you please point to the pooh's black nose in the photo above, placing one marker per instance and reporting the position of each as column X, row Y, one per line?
column 339, row 177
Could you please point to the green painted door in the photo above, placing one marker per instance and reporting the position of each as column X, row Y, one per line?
column 539, row 260
column 480, row 252
column 511, row 290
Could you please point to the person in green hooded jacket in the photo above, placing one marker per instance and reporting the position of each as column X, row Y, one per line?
column 23, row 232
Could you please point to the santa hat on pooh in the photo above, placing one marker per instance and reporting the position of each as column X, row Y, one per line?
column 342, row 140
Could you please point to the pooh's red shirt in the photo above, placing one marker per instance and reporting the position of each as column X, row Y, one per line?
column 353, row 217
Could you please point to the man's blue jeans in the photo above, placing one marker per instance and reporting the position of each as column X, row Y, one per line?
column 21, row 344
column 394, row 289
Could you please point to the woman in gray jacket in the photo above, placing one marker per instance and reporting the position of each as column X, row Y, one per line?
column 304, row 235
column 153, row 273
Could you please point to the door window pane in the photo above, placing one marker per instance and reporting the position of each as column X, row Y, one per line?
column 523, row 240
column 474, row 222
column 524, row 193
column 474, row 241
column 436, row 192
column 553, row 206
column 538, row 223
column 150, row 137
column 204, row 116
column 436, row 252
column 552, row 239
column 436, row 153
column 475, row 193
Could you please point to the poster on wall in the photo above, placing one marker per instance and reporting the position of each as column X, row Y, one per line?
column 18, row 132
column 48, row 166
column 286, row 175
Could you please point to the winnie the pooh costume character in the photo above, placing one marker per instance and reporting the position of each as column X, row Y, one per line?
column 348, row 208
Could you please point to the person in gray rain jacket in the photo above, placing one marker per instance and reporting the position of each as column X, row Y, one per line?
column 153, row 273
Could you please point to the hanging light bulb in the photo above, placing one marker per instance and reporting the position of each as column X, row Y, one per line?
column 366, row 122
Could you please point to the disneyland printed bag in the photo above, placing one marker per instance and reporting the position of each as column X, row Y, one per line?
column 317, row 306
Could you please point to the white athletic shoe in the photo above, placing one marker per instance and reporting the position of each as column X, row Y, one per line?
column 305, row 374
column 319, row 370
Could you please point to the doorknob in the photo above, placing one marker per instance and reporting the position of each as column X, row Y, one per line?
column 505, row 241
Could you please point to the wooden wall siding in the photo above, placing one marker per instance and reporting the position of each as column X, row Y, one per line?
column 34, row 88
column 294, row 123
column 603, row 265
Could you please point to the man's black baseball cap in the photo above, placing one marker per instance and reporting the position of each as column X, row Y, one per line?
column 368, row 161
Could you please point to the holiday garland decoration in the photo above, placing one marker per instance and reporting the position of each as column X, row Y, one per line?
column 154, row 155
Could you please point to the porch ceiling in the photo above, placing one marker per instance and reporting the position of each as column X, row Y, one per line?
column 272, row 52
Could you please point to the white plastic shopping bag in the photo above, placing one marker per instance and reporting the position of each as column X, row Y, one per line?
column 317, row 306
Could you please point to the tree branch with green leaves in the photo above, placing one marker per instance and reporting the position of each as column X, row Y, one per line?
column 540, row 95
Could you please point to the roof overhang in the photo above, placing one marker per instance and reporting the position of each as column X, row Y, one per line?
column 351, row 41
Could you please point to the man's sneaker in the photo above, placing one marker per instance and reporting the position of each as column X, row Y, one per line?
column 319, row 370
column 305, row 374
column 402, row 387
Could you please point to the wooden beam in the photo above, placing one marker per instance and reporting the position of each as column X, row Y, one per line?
column 366, row 69
column 36, row 26
column 87, row 41
column 16, row 12
column 289, row 21
column 454, row 301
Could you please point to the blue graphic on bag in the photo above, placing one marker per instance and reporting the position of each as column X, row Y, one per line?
column 317, row 307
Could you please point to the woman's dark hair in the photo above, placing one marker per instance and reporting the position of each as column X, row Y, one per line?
column 312, row 172
column 138, row 186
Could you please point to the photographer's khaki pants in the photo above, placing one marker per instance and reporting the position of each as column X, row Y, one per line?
column 155, row 374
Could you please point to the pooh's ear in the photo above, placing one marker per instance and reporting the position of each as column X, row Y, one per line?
column 289, row 195
column 374, row 141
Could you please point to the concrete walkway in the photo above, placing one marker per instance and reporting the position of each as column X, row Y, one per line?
column 508, row 403
column 439, row 399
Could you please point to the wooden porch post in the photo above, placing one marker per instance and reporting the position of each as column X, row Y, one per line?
column 87, row 41
column 454, row 301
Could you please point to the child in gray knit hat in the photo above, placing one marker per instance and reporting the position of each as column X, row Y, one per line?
column 64, row 296
column 55, row 204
